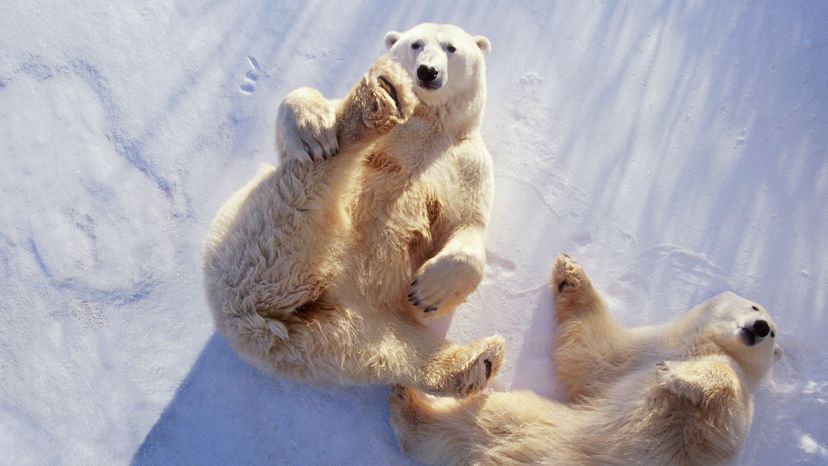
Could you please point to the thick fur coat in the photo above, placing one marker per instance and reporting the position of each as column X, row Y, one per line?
column 322, row 269
column 672, row 394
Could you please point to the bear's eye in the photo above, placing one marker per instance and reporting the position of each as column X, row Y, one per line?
column 754, row 308
column 416, row 45
column 451, row 48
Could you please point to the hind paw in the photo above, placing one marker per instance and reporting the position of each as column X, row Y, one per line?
column 487, row 357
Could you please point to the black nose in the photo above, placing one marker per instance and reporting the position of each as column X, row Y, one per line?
column 761, row 328
column 426, row 74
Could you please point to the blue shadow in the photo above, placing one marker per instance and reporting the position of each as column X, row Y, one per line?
column 226, row 412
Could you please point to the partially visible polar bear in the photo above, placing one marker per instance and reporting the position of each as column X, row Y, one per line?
column 322, row 269
column 678, row 393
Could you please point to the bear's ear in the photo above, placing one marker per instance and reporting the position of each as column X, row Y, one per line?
column 482, row 43
column 391, row 38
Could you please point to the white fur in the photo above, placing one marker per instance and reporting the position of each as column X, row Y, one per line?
column 678, row 393
column 322, row 268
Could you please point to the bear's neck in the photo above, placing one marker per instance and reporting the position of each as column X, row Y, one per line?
column 459, row 116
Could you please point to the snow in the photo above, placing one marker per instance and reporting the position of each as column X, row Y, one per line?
column 675, row 149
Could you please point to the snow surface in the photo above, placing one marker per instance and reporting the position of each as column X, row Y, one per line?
column 676, row 149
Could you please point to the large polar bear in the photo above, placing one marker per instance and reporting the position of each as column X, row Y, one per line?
column 322, row 269
column 678, row 393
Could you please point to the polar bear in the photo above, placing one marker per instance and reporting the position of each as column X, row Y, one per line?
column 323, row 268
column 678, row 393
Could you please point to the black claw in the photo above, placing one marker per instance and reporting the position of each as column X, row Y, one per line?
column 488, row 365
column 431, row 309
column 414, row 283
column 416, row 302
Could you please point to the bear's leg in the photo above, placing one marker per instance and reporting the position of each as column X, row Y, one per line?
column 444, row 281
column 487, row 428
column 332, row 344
column 588, row 342
column 433, row 430
column 285, row 249
column 402, row 352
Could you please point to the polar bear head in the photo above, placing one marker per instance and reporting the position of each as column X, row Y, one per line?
column 444, row 60
column 742, row 328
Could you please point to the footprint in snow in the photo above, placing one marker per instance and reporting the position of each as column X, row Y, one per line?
column 251, row 76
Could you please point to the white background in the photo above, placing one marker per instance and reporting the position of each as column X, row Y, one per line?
column 676, row 149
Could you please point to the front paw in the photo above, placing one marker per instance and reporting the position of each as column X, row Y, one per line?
column 382, row 100
column 701, row 382
column 567, row 276
column 671, row 378
column 392, row 96
column 443, row 283
column 306, row 126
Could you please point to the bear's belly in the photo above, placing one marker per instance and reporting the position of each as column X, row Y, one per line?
column 392, row 236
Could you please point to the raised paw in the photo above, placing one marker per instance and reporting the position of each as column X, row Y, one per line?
column 567, row 275
column 572, row 290
column 306, row 126
column 443, row 283
column 382, row 100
